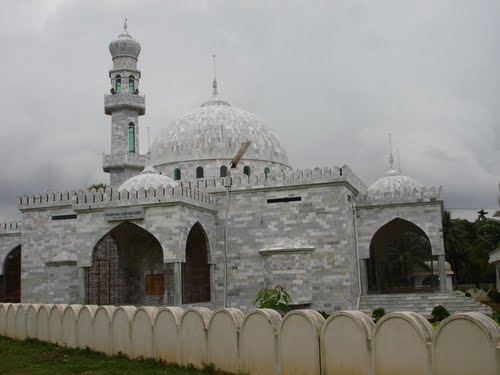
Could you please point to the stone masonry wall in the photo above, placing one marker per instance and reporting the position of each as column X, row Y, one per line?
column 43, row 239
column 322, row 219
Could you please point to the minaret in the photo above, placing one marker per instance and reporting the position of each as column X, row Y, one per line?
column 124, row 105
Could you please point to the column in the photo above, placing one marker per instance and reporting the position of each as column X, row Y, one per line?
column 442, row 274
column 81, row 284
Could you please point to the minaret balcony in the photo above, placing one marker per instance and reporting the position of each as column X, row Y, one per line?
column 124, row 100
column 122, row 160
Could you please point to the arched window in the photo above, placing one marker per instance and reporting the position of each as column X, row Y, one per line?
column 118, row 84
column 131, row 138
column 246, row 170
column 131, row 84
column 266, row 171
column 177, row 174
column 223, row 171
column 199, row 172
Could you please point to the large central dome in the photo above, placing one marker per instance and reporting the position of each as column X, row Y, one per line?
column 215, row 131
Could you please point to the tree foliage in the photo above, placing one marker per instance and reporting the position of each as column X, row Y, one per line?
column 467, row 247
column 98, row 186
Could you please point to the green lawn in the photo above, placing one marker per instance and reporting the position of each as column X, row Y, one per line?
column 34, row 357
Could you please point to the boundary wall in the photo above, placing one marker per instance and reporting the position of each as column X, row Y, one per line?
column 263, row 343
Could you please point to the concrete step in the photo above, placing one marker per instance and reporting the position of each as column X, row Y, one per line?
column 422, row 303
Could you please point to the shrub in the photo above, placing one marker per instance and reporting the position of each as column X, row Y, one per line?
column 378, row 313
column 467, row 294
column 324, row 314
column 439, row 313
column 276, row 299
column 494, row 295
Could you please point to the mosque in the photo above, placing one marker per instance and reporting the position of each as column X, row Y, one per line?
column 190, row 224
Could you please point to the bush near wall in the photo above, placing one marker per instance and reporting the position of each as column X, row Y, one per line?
column 262, row 342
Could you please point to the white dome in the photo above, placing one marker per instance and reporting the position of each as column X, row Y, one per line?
column 216, row 130
column 393, row 182
column 148, row 178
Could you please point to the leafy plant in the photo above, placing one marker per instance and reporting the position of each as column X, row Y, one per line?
column 439, row 313
column 377, row 314
column 277, row 299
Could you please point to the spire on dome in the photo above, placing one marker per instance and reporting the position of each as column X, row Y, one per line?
column 125, row 26
column 391, row 159
column 399, row 163
column 214, row 83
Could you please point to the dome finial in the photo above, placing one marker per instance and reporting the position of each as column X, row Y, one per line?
column 391, row 159
column 214, row 83
column 399, row 163
column 125, row 26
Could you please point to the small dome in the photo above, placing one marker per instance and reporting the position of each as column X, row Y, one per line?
column 148, row 178
column 393, row 182
column 216, row 130
column 125, row 45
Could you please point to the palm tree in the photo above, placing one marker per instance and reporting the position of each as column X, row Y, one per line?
column 482, row 215
column 455, row 240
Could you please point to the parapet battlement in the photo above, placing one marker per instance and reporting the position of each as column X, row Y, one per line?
column 104, row 197
column 283, row 178
column 200, row 191
column 404, row 196
column 11, row 227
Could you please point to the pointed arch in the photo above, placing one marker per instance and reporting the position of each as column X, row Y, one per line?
column 400, row 259
column 127, row 268
column 131, row 83
column 196, row 269
column 118, row 84
column 10, row 290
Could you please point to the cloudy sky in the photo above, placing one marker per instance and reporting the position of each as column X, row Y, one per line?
column 332, row 78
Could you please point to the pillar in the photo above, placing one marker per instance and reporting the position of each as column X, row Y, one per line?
column 442, row 274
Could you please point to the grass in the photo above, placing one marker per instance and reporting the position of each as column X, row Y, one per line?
column 35, row 357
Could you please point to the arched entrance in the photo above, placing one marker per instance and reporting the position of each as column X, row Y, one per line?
column 11, row 282
column 401, row 260
column 127, row 269
column 196, row 270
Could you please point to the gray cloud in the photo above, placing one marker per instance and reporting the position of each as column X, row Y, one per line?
column 332, row 78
